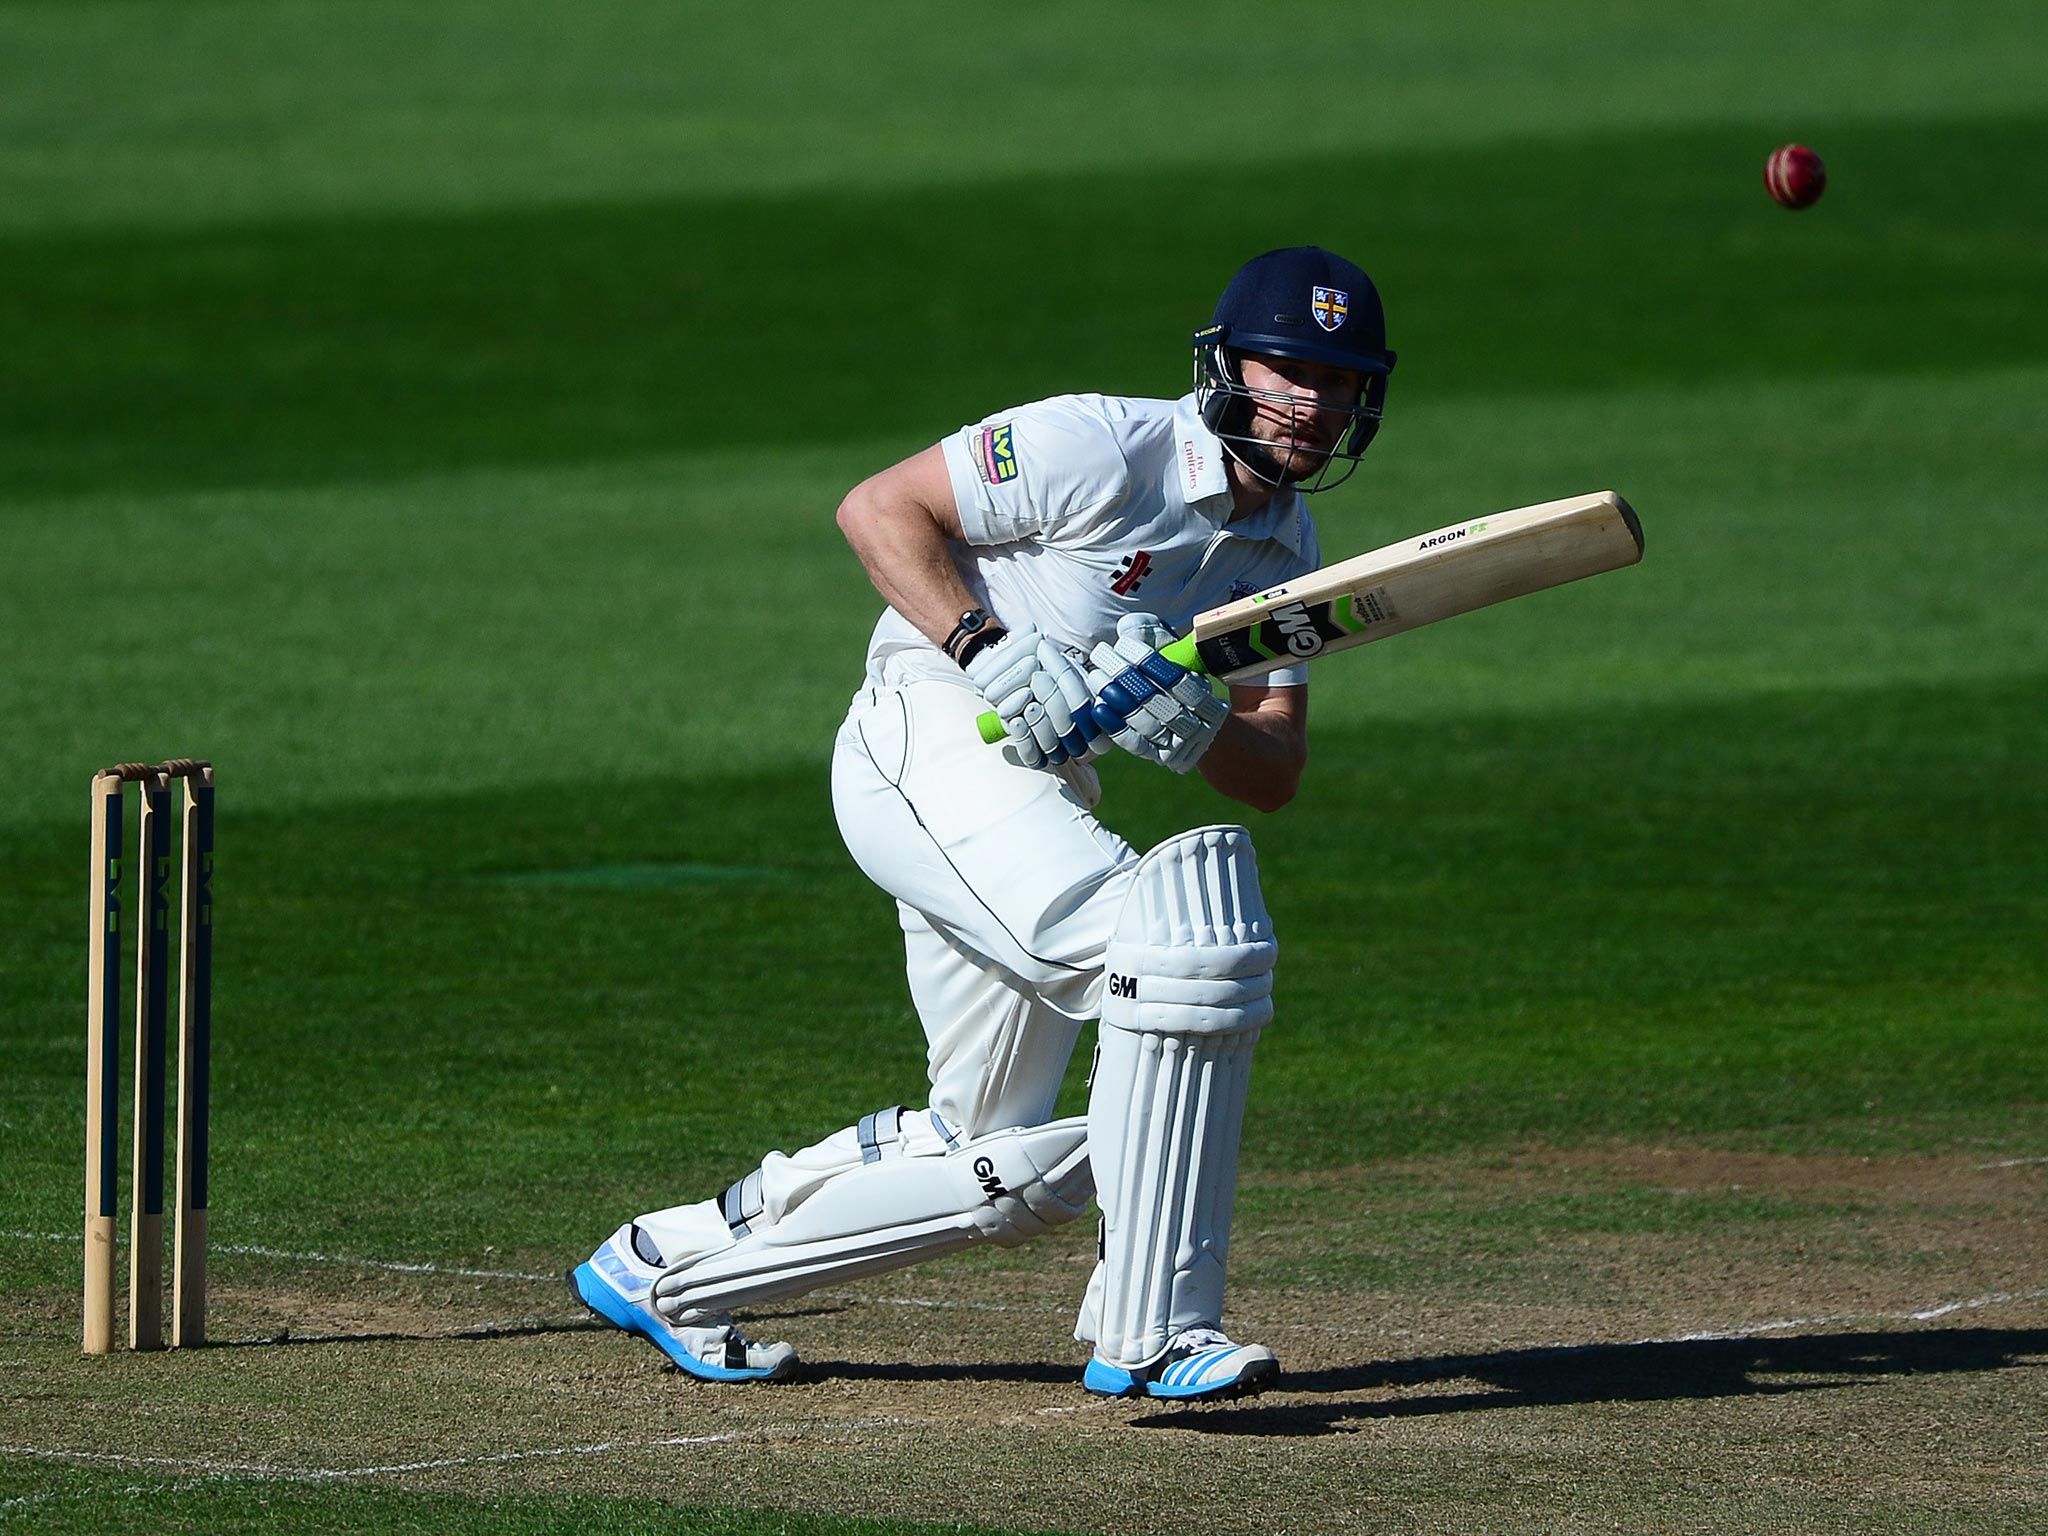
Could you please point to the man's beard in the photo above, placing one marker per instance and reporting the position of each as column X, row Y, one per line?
column 1270, row 463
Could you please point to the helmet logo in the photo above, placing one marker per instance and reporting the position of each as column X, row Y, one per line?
column 1330, row 306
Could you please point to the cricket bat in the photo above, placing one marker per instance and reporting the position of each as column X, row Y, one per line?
column 1405, row 586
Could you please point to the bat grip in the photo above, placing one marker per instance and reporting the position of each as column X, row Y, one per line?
column 1181, row 652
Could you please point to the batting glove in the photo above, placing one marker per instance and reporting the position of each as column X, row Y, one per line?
column 1041, row 697
column 1151, row 707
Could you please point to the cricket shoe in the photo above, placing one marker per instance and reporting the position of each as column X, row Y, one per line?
column 1200, row 1365
column 618, row 1285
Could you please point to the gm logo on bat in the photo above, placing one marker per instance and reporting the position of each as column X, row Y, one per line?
column 1298, row 629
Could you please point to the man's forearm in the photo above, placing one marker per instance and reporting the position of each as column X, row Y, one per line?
column 909, row 561
column 1256, row 759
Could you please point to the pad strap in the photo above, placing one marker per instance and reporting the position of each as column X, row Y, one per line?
column 1004, row 1187
column 879, row 1132
column 741, row 1204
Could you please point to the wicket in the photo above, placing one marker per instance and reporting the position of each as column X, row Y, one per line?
column 152, row 1010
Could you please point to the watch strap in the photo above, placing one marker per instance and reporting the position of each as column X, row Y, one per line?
column 972, row 622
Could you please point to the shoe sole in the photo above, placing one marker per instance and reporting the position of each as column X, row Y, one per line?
column 629, row 1319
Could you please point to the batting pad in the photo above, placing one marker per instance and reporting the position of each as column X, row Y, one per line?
column 1005, row 1188
column 1190, row 985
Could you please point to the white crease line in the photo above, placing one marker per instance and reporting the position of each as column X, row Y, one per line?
column 1747, row 1330
column 408, row 1268
column 491, row 1328
column 1926, row 1314
column 392, row 1264
column 215, row 1470
column 1505, row 1350
column 942, row 1305
column 256, row 1471
column 119, row 1458
column 2013, row 1162
column 1995, row 1299
column 939, row 1304
column 253, row 1250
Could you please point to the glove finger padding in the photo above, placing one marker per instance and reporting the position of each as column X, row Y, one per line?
column 1152, row 707
column 1045, row 732
column 1208, row 706
column 1059, row 687
column 1002, row 673
column 1148, row 732
column 1022, row 742
column 1209, row 713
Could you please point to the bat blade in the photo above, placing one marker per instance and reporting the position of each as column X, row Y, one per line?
column 1418, row 581
column 1421, row 580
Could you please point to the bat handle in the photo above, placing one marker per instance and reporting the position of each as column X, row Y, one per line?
column 1182, row 652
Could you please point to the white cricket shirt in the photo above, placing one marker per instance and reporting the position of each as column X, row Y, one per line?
column 1083, row 508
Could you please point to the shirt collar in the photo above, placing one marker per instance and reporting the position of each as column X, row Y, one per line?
column 1202, row 465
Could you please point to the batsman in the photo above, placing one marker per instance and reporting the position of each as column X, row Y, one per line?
column 1033, row 565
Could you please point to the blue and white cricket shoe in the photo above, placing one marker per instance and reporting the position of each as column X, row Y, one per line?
column 1199, row 1366
column 618, row 1285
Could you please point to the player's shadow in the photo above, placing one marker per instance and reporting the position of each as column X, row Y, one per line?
column 1610, row 1373
column 524, row 1328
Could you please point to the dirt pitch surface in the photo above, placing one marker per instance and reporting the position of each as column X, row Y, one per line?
column 1867, row 1354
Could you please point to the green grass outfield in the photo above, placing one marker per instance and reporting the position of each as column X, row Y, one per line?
column 435, row 414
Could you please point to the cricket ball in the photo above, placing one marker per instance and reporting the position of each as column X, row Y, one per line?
column 1795, row 176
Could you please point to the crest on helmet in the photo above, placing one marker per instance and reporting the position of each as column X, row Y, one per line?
column 1330, row 305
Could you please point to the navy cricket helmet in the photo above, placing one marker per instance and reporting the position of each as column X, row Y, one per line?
column 1304, row 303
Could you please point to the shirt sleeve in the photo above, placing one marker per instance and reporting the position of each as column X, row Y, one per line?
column 1024, row 473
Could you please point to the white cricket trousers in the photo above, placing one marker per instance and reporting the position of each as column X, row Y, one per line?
column 1007, row 887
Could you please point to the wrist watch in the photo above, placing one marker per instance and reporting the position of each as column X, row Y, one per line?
column 971, row 623
column 977, row 628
